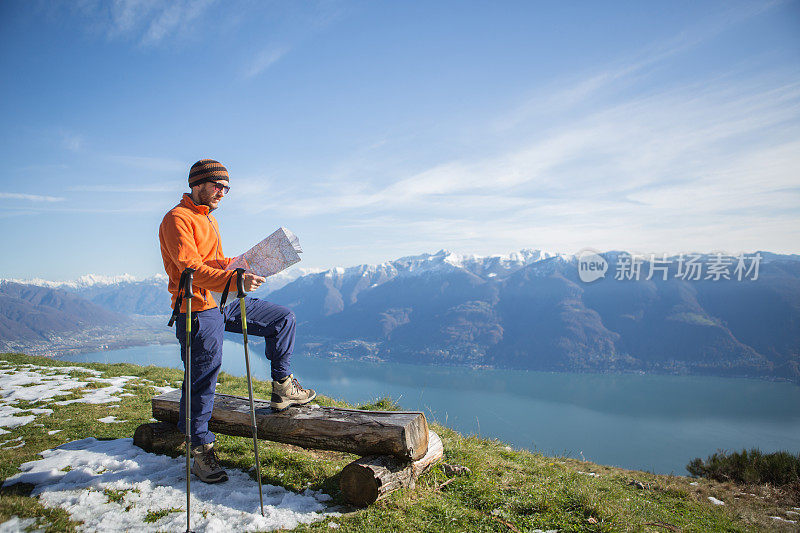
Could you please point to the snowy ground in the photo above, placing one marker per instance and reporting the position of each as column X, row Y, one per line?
column 116, row 486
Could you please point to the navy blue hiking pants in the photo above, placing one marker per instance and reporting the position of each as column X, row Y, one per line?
column 275, row 323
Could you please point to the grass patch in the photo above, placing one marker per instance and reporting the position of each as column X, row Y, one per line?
column 751, row 467
column 507, row 489
column 155, row 516
column 383, row 404
column 115, row 496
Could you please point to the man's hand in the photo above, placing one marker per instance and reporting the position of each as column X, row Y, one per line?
column 252, row 282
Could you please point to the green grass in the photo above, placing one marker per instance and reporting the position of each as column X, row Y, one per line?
column 117, row 496
column 155, row 516
column 508, row 489
column 754, row 466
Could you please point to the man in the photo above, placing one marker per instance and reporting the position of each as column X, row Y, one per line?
column 189, row 237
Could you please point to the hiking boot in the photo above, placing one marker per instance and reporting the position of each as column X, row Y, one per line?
column 206, row 465
column 288, row 392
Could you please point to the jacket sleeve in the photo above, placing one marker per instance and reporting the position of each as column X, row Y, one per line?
column 222, row 262
column 180, row 247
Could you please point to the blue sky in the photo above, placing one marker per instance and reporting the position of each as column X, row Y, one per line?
column 376, row 130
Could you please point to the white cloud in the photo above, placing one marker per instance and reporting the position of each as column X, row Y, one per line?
column 708, row 165
column 149, row 22
column 264, row 60
column 174, row 17
column 30, row 197
column 566, row 94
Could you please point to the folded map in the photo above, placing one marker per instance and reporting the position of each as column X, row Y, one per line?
column 275, row 253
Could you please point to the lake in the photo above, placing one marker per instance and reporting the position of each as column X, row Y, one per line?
column 645, row 422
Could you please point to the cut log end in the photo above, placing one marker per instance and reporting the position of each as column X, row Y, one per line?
column 358, row 485
column 158, row 436
column 368, row 479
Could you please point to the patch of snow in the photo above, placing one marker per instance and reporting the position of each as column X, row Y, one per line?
column 694, row 483
column 592, row 474
column 32, row 386
column 155, row 482
column 16, row 524
column 104, row 395
column 8, row 420
column 20, row 445
column 33, row 383
column 53, row 432
column 164, row 390
column 779, row 519
column 715, row 501
column 110, row 420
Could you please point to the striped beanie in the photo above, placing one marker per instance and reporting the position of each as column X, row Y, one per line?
column 207, row 170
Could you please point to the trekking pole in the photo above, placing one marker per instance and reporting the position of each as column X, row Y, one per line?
column 240, row 288
column 187, row 382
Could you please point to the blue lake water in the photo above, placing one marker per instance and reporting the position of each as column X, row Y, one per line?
column 645, row 422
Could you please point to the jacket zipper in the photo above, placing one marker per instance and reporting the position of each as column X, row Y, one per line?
column 216, row 249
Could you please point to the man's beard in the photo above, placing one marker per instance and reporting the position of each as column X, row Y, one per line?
column 206, row 199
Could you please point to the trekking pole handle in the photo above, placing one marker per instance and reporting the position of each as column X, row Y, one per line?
column 240, row 282
column 188, row 271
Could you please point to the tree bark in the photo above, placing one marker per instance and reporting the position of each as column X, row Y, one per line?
column 400, row 434
column 368, row 479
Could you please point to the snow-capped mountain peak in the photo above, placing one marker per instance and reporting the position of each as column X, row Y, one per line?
column 89, row 280
column 443, row 261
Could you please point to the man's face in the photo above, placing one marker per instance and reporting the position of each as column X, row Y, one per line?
column 209, row 193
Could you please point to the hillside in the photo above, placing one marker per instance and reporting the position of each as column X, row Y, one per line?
column 530, row 311
column 507, row 490
column 28, row 312
column 46, row 321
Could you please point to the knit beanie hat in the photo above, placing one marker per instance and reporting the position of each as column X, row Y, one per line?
column 207, row 170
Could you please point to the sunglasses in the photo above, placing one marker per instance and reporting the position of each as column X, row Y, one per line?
column 220, row 187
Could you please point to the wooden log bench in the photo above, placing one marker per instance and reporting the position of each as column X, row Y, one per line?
column 396, row 446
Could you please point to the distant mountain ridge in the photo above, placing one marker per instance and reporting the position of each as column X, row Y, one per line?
column 31, row 312
column 528, row 310
column 88, row 280
column 531, row 311
column 139, row 296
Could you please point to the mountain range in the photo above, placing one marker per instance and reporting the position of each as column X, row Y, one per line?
column 528, row 310
column 33, row 312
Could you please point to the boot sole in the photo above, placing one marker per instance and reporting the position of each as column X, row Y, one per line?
column 282, row 406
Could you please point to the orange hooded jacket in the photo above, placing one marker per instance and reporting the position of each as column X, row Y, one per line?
column 189, row 237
